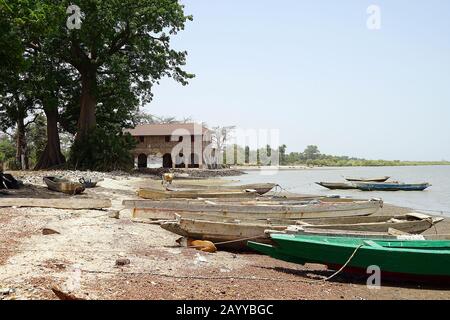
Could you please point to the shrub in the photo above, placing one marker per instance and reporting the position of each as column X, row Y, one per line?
column 101, row 150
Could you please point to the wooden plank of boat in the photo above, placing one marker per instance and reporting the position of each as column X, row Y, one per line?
column 146, row 203
column 235, row 234
column 65, row 203
column 337, row 185
column 390, row 234
column 409, row 260
column 63, row 185
column 238, row 231
column 161, row 194
column 408, row 223
column 260, row 188
column 379, row 179
column 161, row 210
column 391, row 186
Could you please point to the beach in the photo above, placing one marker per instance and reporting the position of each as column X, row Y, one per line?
column 82, row 259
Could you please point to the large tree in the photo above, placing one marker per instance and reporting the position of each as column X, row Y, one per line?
column 121, row 50
column 129, row 39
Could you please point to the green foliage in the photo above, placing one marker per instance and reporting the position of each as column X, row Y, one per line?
column 7, row 149
column 312, row 157
column 37, row 136
column 102, row 150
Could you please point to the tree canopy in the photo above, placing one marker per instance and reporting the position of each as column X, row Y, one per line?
column 90, row 78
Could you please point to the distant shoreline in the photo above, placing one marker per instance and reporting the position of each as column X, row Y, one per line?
column 303, row 167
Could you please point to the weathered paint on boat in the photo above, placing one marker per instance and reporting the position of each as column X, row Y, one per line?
column 425, row 260
column 63, row 185
column 161, row 194
column 237, row 234
column 391, row 234
column 160, row 210
column 337, row 185
column 394, row 186
column 260, row 188
column 379, row 179
column 223, row 230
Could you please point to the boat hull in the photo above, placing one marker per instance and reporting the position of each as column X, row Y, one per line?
column 416, row 259
column 392, row 186
column 160, row 194
column 337, row 185
column 260, row 188
column 160, row 210
column 380, row 179
column 64, row 186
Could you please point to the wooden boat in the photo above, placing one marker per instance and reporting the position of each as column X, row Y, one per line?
column 392, row 233
column 164, row 210
column 89, row 183
column 392, row 186
column 220, row 230
column 379, row 179
column 260, row 188
column 423, row 260
column 193, row 194
column 236, row 234
column 63, row 185
column 280, row 200
column 337, row 185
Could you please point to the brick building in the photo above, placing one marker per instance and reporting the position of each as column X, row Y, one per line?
column 174, row 145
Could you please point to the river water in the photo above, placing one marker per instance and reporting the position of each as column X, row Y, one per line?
column 435, row 199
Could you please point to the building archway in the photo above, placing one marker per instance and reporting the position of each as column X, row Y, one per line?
column 194, row 163
column 142, row 161
column 180, row 161
column 167, row 160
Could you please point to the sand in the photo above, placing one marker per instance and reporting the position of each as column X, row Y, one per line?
column 81, row 259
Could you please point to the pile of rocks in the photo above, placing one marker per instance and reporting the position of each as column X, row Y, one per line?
column 35, row 177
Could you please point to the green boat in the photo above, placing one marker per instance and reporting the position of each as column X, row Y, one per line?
column 422, row 260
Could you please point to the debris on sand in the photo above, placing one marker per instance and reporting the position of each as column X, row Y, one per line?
column 47, row 231
column 62, row 295
column 122, row 262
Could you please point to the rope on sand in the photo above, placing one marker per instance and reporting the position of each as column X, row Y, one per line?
column 309, row 281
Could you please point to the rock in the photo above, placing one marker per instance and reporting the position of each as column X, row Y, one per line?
column 65, row 295
column 6, row 291
column 114, row 214
column 47, row 231
column 122, row 262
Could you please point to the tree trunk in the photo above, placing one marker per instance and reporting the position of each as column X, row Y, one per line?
column 21, row 145
column 51, row 156
column 87, row 119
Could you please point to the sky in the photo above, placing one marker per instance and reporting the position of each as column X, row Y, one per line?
column 314, row 71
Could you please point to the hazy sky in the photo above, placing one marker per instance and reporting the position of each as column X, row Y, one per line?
column 313, row 70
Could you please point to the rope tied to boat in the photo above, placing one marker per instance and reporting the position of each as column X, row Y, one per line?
column 231, row 241
column 312, row 281
column 345, row 264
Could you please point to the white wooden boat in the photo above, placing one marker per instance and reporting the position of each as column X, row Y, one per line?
column 238, row 231
column 260, row 188
column 156, row 194
column 162, row 210
column 392, row 233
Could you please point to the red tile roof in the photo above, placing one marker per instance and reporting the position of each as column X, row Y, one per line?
column 168, row 129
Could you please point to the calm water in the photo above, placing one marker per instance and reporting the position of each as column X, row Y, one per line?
column 435, row 198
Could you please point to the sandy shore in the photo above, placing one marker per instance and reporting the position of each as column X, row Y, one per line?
column 82, row 258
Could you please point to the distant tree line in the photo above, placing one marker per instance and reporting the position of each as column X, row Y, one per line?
column 311, row 156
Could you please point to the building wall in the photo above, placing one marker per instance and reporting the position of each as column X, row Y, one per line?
column 155, row 147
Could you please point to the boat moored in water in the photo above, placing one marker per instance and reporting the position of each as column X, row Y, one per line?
column 391, row 186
